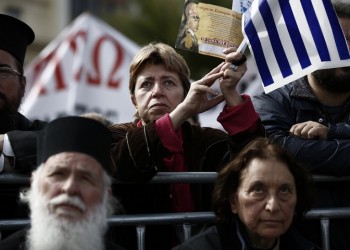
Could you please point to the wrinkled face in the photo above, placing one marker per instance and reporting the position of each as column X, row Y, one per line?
column 157, row 92
column 336, row 80
column 265, row 201
column 11, row 89
column 73, row 184
column 193, row 18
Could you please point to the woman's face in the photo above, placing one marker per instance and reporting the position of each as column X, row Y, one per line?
column 265, row 200
column 157, row 92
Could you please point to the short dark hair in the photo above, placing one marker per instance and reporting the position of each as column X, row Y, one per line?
column 229, row 178
column 342, row 8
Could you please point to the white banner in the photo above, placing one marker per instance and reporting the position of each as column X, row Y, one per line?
column 85, row 69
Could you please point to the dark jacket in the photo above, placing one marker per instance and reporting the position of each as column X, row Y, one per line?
column 23, row 142
column 231, row 237
column 18, row 239
column 295, row 103
column 206, row 149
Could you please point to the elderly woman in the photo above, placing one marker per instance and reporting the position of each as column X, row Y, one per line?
column 162, row 139
column 256, row 198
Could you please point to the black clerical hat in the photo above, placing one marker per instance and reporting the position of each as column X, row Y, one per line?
column 15, row 36
column 75, row 134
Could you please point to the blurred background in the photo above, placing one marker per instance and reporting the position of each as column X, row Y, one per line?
column 142, row 21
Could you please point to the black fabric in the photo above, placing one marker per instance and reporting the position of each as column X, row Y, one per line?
column 229, row 237
column 23, row 141
column 17, row 240
column 75, row 134
column 23, row 137
column 16, row 36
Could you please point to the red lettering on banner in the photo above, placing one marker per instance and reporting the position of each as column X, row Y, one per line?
column 55, row 62
column 94, row 78
column 96, row 63
column 37, row 70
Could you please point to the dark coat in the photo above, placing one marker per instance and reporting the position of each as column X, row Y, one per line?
column 226, row 237
column 18, row 239
column 23, row 142
column 295, row 103
column 206, row 150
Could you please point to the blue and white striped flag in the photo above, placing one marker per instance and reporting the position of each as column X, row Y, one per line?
column 292, row 38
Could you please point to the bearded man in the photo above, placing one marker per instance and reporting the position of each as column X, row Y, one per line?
column 17, row 133
column 70, row 196
column 16, row 36
column 311, row 118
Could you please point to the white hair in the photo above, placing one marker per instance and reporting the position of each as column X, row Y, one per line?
column 48, row 232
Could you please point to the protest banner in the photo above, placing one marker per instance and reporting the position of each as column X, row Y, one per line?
column 85, row 69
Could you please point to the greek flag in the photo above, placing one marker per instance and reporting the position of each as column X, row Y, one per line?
column 292, row 38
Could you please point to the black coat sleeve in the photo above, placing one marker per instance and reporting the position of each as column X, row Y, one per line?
column 325, row 157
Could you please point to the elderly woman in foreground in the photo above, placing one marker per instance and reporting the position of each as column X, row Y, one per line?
column 256, row 198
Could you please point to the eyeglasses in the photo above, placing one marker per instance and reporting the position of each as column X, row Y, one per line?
column 8, row 73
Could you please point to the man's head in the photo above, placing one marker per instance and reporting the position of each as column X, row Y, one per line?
column 337, row 80
column 15, row 37
column 70, row 196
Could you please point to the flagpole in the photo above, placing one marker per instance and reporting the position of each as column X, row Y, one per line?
column 243, row 46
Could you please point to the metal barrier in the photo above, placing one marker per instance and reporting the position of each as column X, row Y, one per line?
column 165, row 177
column 186, row 219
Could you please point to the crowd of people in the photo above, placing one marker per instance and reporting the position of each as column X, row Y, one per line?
column 265, row 156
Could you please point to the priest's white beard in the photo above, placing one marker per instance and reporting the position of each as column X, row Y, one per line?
column 48, row 232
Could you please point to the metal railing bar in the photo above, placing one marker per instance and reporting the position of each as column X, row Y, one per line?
column 161, row 219
column 140, row 234
column 325, row 233
column 164, row 177
column 180, row 218
column 187, row 230
column 331, row 213
column 11, row 178
column 135, row 219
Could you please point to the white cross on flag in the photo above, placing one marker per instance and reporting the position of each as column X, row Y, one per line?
column 292, row 38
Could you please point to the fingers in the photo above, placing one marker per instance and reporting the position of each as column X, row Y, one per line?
column 233, row 70
column 215, row 101
column 210, row 78
column 234, row 57
column 206, row 89
column 234, row 61
column 239, row 61
column 309, row 130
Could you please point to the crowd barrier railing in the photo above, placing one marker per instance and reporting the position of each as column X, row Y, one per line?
column 140, row 221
